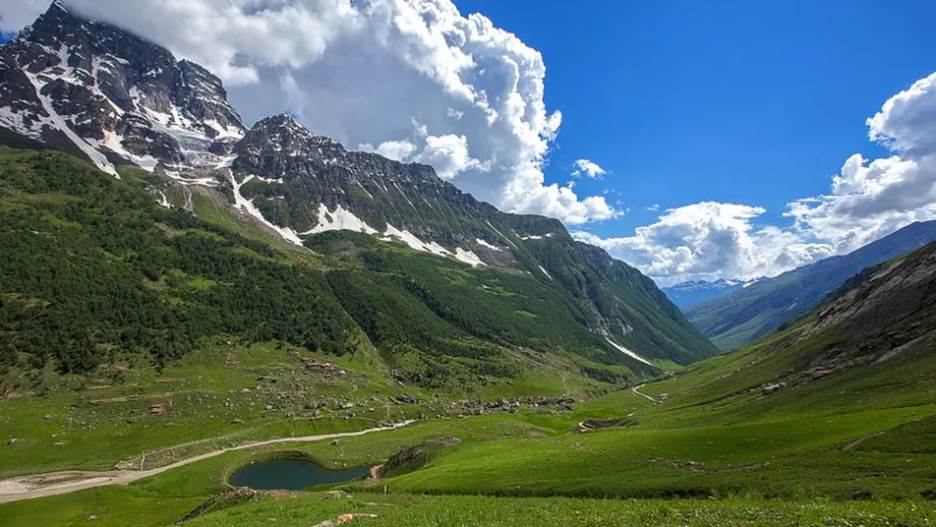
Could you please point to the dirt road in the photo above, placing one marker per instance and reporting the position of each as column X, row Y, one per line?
column 637, row 392
column 55, row 483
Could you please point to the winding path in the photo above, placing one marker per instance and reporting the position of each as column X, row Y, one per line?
column 55, row 483
column 636, row 391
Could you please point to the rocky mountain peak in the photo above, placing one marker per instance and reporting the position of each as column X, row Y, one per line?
column 290, row 135
column 99, row 91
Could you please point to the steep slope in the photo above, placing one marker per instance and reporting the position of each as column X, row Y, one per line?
column 739, row 317
column 94, row 90
column 688, row 294
column 869, row 345
column 96, row 272
column 306, row 185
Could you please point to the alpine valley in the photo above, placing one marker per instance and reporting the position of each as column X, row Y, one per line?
column 183, row 295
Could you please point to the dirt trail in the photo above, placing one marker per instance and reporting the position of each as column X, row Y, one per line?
column 637, row 392
column 55, row 483
column 860, row 441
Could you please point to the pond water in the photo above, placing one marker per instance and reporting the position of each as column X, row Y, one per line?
column 291, row 474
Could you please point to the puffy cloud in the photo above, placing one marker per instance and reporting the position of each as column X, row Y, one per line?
column 396, row 150
column 869, row 199
column 907, row 121
column 588, row 168
column 363, row 72
column 872, row 198
column 234, row 38
column 448, row 154
column 560, row 202
column 709, row 240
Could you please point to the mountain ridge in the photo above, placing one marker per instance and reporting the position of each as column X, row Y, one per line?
column 741, row 316
column 690, row 293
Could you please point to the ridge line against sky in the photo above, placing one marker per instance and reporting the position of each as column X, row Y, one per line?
column 416, row 80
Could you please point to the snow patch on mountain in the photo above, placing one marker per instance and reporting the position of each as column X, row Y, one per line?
column 508, row 240
column 114, row 143
column 628, row 352
column 536, row 236
column 468, row 257
column 56, row 121
column 19, row 122
column 247, row 206
column 410, row 239
column 164, row 201
column 340, row 219
column 488, row 245
column 545, row 272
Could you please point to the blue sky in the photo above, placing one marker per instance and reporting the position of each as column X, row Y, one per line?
column 750, row 102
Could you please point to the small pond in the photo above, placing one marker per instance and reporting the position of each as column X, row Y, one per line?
column 291, row 474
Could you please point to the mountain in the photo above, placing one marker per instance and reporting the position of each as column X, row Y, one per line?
column 737, row 318
column 872, row 338
column 687, row 294
column 98, row 92
column 394, row 258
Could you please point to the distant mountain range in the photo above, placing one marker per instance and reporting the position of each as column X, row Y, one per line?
column 687, row 294
column 125, row 104
column 738, row 317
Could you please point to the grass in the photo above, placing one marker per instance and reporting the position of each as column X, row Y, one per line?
column 865, row 433
column 782, row 458
column 419, row 511
column 216, row 396
column 534, row 456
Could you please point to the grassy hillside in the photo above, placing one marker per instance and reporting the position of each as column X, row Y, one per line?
column 801, row 455
column 96, row 272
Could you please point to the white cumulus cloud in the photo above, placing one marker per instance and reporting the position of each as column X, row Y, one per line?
column 396, row 150
column 364, row 72
column 588, row 168
column 15, row 14
column 709, row 240
column 871, row 198
column 448, row 154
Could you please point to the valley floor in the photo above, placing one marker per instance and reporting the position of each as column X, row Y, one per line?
column 656, row 463
column 706, row 446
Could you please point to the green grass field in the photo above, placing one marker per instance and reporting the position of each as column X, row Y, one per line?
column 432, row 511
column 789, row 466
column 716, row 450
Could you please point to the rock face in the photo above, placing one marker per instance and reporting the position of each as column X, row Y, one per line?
column 96, row 90
column 99, row 92
column 883, row 296
column 884, row 313
column 308, row 182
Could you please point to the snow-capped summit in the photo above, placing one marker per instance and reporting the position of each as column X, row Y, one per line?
column 96, row 90
column 687, row 294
